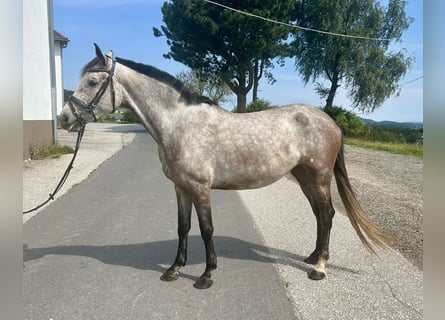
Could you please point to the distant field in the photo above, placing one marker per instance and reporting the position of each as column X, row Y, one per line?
column 399, row 148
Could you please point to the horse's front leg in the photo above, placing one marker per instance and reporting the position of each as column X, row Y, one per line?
column 203, row 209
column 184, row 214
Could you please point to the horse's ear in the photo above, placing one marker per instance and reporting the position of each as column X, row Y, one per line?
column 100, row 55
column 110, row 54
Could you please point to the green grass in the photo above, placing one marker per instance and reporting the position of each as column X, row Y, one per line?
column 51, row 152
column 398, row 148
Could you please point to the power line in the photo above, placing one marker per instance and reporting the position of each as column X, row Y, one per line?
column 403, row 84
column 418, row 78
column 296, row 26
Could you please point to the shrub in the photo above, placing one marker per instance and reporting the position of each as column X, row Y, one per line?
column 258, row 105
column 52, row 152
column 350, row 123
column 130, row 117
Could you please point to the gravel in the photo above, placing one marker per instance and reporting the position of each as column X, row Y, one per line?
column 390, row 189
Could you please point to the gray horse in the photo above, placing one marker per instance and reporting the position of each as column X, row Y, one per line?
column 202, row 147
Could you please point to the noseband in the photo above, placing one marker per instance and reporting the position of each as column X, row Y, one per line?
column 92, row 105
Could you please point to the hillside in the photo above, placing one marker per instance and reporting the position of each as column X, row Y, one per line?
column 393, row 124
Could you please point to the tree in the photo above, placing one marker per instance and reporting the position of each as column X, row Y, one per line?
column 208, row 85
column 236, row 47
column 368, row 68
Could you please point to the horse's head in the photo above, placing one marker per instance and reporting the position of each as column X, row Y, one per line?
column 95, row 95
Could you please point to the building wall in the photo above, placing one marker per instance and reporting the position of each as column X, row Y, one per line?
column 36, row 133
column 37, row 92
column 59, row 78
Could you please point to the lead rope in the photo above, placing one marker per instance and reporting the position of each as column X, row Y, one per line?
column 65, row 175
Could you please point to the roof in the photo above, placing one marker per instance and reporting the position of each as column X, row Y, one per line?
column 61, row 38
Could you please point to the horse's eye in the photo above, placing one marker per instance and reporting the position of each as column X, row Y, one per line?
column 92, row 83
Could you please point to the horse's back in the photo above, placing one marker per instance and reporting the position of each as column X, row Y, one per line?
column 307, row 127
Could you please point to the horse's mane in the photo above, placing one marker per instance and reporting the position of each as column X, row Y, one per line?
column 164, row 77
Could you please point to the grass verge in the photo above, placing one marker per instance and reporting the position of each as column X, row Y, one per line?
column 51, row 152
column 398, row 148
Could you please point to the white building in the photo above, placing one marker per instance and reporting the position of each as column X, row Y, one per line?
column 42, row 75
column 60, row 42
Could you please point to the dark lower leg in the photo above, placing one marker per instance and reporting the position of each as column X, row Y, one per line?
column 206, row 227
column 319, row 272
column 172, row 273
column 315, row 255
column 321, row 254
column 184, row 215
column 204, row 280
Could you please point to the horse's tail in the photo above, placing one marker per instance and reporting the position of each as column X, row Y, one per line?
column 359, row 220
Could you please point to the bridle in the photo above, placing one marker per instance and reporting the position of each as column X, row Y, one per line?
column 90, row 107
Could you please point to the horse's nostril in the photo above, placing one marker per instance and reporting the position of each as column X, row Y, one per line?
column 64, row 119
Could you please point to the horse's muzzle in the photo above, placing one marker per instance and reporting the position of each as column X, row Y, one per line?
column 69, row 121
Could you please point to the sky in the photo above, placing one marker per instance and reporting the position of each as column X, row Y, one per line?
column 125, row 26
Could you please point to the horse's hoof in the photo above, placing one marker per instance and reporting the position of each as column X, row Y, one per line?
column 169, row 276
column 203, row 283
column 317, row 275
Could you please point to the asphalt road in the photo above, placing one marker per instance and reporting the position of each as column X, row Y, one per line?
column 99, row 250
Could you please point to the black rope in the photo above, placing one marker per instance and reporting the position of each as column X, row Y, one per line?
column 65, row 175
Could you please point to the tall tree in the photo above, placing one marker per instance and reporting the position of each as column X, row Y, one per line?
column 369, row 69
column 262, row 67
column 220, row 41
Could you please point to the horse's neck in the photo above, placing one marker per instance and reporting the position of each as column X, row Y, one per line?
column 155, row 103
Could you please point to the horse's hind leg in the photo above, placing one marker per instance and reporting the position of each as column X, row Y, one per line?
column 184, row 213
column 201, row 200
column 316, row 187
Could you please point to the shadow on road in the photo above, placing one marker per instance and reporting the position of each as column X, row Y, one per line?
column 152, row 255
